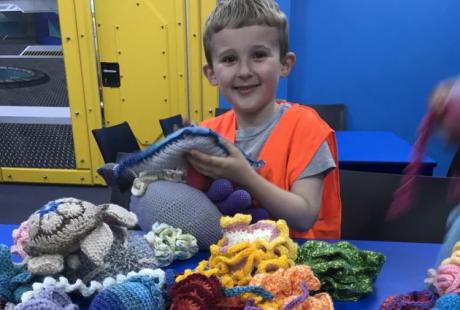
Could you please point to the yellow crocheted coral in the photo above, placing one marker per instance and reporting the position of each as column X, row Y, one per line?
column 454, row 257
column 285, row 286
column 246, row 250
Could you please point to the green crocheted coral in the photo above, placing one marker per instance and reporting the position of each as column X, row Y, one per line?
column 345, row 272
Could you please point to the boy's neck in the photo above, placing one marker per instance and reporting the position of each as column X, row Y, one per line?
column 254, row 119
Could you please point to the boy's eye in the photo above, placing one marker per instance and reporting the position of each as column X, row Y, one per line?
column 228, row 59
column 260, row 54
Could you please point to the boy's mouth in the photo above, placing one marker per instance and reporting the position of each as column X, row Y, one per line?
column 245, row 88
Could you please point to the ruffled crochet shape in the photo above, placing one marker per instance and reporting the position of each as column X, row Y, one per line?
column 246, row 250
column 345, row 272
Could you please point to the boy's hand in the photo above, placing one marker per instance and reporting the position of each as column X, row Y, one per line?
column 234, row 167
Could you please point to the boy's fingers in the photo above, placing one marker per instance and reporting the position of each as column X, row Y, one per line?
column 231, row 148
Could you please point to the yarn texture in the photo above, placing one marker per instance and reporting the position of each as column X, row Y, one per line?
column 419, row 300
column 345, row 272
column 170, row 152
column 180, row 206
column 64, row 225
column 246, row 250
column 447, row 279
column 52, row 298
column 14, row 279
column 138, row 293
column 170, row 244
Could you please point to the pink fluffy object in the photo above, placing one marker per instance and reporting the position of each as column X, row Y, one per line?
column 447, row 279
column 20, row 238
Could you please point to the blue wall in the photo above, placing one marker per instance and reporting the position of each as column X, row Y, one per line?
column 381, row 58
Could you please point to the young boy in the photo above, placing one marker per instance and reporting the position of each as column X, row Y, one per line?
column 246, row 47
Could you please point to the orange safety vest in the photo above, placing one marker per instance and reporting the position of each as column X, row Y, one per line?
column 299, row 133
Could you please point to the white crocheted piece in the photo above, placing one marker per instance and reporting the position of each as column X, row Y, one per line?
column 93, row 287
column 170, row 243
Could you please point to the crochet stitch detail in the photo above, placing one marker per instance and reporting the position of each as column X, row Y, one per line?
column 93, row 287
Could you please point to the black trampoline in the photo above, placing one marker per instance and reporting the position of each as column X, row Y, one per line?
column 13, row 77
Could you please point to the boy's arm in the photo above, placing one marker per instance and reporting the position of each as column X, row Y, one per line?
column 299, row 208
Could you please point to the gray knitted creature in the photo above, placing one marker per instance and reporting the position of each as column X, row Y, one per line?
column 180, row 206
column 66, row 225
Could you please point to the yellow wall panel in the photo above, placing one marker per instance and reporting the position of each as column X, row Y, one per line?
column 210, row 93
column 74, row 78
column 145, row 38
column 52, row 176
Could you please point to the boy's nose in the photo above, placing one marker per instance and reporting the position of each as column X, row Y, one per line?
column 244, row 70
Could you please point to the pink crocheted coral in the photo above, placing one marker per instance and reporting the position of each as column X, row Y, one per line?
column 447, row 279
column 20, row 238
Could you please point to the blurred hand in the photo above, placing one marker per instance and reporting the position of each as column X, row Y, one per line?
column 438, row 99
column 444, row 103
column 234, row 167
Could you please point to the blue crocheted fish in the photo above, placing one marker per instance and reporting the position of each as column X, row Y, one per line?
column 170, row 152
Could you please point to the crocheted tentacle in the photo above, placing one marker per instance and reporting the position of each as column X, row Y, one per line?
column 298, row 300
column 238, row 290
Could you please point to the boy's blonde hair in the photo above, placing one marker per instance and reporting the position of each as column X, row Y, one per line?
column 235, row 14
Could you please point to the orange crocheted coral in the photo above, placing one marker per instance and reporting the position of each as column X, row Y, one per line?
column 285, row 287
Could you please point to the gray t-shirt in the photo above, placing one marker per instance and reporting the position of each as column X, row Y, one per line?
column 251, row 140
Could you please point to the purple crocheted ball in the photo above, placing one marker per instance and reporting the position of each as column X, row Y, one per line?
column 236, row 202
column 219, row 190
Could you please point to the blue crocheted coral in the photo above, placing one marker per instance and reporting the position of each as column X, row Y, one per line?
column 169, row 152
column 51, row 298
column 448, row 302
column 139, row 293
column 14, row 280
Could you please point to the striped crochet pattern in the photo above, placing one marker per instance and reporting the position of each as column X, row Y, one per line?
column 170, row 152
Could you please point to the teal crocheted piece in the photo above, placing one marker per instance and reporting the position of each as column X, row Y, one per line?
column 140, row 293
column 345, row 272
column 14, row 280
column 448, row 302
column 239, row 290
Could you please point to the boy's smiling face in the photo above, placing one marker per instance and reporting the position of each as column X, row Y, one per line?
column 246, row 66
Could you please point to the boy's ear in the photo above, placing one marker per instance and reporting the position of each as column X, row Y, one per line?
column 287, row 64
column 209, row 72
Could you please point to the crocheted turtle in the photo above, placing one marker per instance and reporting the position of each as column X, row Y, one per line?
column 66, row 225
